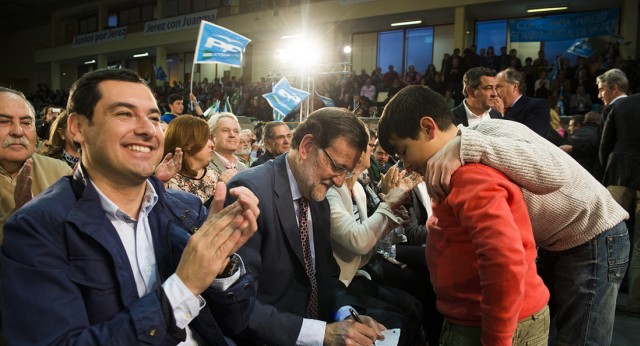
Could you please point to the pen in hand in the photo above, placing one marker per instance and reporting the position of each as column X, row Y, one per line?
column 355, row 315
column 357, row 318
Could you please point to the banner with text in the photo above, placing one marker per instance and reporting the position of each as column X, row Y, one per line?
column 99, row 37
column 219, row 45
column 188, row 21
column 564, row 26
column 284, row 98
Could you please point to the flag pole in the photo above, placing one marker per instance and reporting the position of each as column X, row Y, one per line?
column 193, row 69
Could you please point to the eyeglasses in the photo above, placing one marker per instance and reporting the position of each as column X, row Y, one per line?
column 339, row 170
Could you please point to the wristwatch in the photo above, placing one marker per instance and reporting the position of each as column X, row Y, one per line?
column 232, row 267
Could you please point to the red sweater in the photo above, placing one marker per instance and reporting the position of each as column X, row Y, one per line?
column 481, row 255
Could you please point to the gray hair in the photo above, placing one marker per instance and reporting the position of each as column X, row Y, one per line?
column 615, row 77
column 213, row 121
column 21, row 95
column 513, row 76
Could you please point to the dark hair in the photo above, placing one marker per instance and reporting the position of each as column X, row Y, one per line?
column 188, row 133
column 401, row 116
column 472, row 77
column 21, row 95
column 85, row 94
column 329, row 123
column 173, row 98
column 269, row 128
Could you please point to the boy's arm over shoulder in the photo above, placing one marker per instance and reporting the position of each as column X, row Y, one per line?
column 510, row 147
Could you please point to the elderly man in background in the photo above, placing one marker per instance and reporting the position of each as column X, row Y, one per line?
column 225, row 133
column 23, row 173
column 277, row 140
column 244, row 151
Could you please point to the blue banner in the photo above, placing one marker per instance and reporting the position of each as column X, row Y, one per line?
column 160, row 74
column 219, row 45
column 564, row 26
column 284, row 98
column 582, row 48
column 327, row 101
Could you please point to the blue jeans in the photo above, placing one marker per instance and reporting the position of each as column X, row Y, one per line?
column 584, row 283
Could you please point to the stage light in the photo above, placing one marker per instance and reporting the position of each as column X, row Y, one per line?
column 411, row 22
column 547, row 9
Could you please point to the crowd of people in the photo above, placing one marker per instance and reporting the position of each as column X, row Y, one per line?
column 142, row 220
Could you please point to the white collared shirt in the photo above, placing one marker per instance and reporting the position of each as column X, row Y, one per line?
column 472, row 117
column 138, row 243
column 312, row 331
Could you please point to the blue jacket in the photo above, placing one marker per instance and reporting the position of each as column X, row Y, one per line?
column 66, row 278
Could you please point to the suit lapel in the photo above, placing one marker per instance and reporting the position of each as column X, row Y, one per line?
column 283, row 201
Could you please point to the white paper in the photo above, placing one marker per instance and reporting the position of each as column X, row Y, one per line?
column 391, row 338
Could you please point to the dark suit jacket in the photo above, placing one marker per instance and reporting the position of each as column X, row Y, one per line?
column 532, row 112
column 266, row 156
column 274, row 258
column 620, row 144
column 585, row 146
column 64, row 266
column 460, row 115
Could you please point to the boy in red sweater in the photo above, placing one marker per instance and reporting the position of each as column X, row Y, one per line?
column 480, row 249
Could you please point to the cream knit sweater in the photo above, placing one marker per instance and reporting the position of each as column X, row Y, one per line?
column 566, row 204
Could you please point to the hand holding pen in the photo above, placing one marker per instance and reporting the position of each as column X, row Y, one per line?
column 362, row 330
column 370, row 322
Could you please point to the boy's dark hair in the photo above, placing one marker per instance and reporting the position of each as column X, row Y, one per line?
column 329, row 123
column 401, row 116
column 85, row 94
column 173, row 98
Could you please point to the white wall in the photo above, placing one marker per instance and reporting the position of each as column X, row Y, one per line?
column 442, row 43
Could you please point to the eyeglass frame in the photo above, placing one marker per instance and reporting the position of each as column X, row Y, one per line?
column 339, row 170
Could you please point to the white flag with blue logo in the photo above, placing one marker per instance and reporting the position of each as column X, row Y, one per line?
column 219, row 45
column 327, row 101
column 284, row 98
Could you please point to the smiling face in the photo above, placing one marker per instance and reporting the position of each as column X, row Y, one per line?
column 123, row 142
column 17, row 132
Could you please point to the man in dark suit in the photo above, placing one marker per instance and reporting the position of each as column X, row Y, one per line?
column 532, row 112
column 612, row 86
column 297, row 293
column 479, row 88
column 276, row 139
column 620, row 155
column 109, row 248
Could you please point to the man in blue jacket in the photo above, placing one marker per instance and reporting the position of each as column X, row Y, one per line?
column 105, row 256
